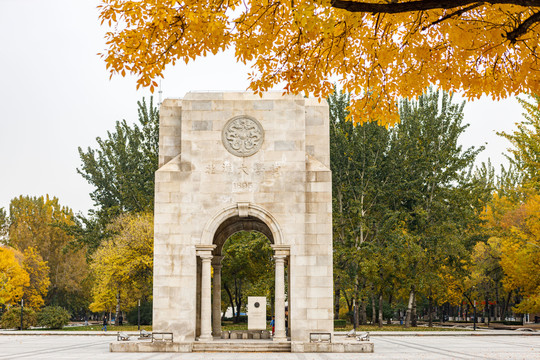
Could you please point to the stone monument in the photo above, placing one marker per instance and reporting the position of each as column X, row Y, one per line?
column 256, row 313
column 232, row 161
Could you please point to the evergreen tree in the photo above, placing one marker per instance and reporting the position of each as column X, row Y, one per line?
column 121, row 169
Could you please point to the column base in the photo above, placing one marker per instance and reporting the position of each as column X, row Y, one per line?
column 280, row 339
column 206, row 338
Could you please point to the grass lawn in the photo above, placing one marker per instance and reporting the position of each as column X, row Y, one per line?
column 98, row 328
column 395, row 327
column 243, row 326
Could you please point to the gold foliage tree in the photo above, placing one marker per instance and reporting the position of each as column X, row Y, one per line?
column 518, row 246
column 122, row 265
column 23, row 276
column 13, row 277
column 38, row 271
column 37, row 229
column 377, row 49
column 512, row 218
column 520, row 253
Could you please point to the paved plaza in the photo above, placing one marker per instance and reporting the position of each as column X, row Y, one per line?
column 386, row 347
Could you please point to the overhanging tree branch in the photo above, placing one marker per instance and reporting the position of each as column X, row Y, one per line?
column 454, row 13
column 523, row 27
column 419, row 5
column 461, row 7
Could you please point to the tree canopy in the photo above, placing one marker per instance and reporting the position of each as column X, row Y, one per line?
column 13, row 278
column 405, row 205
column 378, row 50
column 122, row 167
column 122, row 265
column 37, row 229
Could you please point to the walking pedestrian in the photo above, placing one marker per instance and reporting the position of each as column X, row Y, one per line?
column 104, row 328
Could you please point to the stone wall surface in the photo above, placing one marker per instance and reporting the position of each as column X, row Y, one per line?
column 285, row 185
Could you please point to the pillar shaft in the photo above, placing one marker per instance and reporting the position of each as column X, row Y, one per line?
column 216, row 300
column 206, row 304
column 280, row 299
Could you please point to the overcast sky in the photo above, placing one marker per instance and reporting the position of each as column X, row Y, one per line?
column 55, row 95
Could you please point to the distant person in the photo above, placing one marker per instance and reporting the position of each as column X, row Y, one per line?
column 104, row 328
column 273, row 324
column 120, row 320
column 286, row 321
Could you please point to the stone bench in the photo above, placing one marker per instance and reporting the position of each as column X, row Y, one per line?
column 145, row 335
column 162, row 336
column 122, row 336
column 320, row 337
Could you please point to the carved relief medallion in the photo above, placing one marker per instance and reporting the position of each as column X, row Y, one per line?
column 242, row 136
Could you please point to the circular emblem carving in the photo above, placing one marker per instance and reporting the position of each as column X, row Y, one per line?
column 257, row 304
column 242, row 136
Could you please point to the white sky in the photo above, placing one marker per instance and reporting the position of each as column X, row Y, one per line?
column 55, row 95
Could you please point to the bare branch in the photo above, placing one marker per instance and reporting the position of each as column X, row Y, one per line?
column 454, row 13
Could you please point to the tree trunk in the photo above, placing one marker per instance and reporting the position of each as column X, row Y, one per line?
column 228, row 291
column 373, row 310
column 350, row 307
column 117, row 312
column 408, row 314
column 237, row 299
column 505, row 307
column 380, row 310
column 487, row 309
column 497, row 314
column 430, row 311
column 414, row 318
column 389, row 320
column 355, row 312
column 363, row 313
column 337, row 297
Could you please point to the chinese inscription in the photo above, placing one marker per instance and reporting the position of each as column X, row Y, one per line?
column 242, row 169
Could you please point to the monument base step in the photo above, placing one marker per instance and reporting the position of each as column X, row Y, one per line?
column 332, row 347
column 242, row 346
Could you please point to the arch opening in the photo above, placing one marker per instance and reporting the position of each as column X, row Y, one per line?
column 237, row 224
column 249, row 218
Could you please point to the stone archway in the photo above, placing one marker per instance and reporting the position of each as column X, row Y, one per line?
column 228, row 221
column 230, row 161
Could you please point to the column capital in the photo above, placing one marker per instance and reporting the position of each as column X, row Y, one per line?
column 281, row 251
column 216, row 261
column 205, row 251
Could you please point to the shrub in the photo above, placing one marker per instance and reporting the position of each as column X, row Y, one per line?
column 340, row 323
column 53, row 317
column 146, row 314
column 12, row 318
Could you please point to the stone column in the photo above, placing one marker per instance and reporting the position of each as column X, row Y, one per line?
column 280, row 254
column 205, row 253
column 216, row 297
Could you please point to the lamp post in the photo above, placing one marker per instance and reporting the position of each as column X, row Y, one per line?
column 354, row 315
column 474, row 315
column 22, row 305
column 139, row 315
